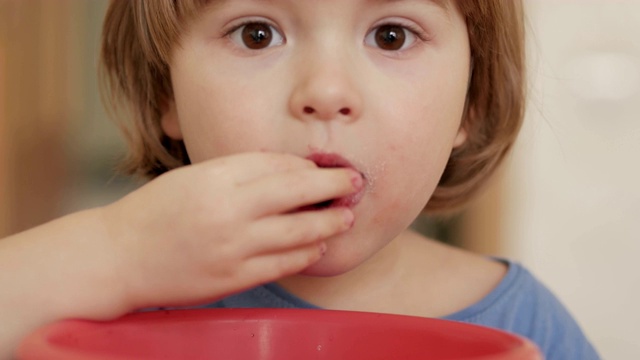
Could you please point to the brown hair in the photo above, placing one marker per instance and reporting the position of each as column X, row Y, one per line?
column 138, row 37
column 495, row 99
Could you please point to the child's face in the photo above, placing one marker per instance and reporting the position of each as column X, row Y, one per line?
column 381, row 83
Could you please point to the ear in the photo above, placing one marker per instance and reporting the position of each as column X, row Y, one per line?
column 461, row 137
column 169, row 120
column 463, row 133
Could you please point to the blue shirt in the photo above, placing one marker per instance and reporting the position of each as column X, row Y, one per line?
column 519, row 304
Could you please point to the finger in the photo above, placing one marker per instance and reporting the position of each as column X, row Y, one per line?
column 284, row 192
column 271, row 267
column 279, row 233
column 246, row 167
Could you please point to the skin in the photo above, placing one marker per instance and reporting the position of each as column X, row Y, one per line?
column 234, row 219
column 404, row 106
column 154, row 247
column 323, row 84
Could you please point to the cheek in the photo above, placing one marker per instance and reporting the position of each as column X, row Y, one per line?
column 415, row 147
column 221, row 117
column 405, row 183
column 419, row 166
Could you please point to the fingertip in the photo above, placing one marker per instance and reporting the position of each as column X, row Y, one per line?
column 357, row 180
column 323, row 248
column 348, row 217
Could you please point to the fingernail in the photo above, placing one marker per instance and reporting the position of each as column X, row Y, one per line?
column 356, row 179
column 349, row 218
column 323, row 248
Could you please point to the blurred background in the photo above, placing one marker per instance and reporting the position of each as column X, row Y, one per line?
column 567, row 203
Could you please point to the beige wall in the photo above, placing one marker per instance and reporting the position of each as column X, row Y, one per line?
column 57, row 148
column 4, row 138
column 35, row 109
column 573, row 209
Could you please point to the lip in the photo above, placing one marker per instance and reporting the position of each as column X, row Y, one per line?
column 330, row 160
column 333, row 160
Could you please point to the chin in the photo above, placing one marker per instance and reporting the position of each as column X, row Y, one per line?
column 319, row 270
column 331, row 265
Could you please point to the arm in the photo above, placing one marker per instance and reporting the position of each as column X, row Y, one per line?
column 52, row 272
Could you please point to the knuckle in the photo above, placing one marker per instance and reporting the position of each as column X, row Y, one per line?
column 308, row 234
column 297, row 178
column 289, row 160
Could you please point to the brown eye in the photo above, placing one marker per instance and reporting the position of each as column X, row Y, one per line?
column 393, row 37
column 256, row 36
column 390, row 37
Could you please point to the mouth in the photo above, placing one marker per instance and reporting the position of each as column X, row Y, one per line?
column 332, row 160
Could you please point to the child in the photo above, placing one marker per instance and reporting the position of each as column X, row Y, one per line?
column 317, row 132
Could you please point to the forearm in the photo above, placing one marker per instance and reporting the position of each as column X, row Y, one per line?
column 62, row 269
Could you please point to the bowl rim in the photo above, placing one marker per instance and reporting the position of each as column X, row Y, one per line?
column 39, row 343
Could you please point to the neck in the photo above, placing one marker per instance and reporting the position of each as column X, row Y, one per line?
column 411, row 276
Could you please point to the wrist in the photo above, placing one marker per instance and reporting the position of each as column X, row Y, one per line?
column 81, row 278
column 59, row 270
column 102, row 290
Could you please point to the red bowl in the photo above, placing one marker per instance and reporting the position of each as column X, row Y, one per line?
column 272, row 334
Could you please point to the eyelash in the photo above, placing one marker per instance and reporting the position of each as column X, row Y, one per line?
column 239, row 26
column 414, row 29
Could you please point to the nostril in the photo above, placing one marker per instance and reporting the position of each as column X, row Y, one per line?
column 308, row 110
column 345, row 111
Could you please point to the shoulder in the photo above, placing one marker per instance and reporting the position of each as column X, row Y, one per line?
column 523, row 305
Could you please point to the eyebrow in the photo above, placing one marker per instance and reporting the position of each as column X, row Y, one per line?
column 442, row 4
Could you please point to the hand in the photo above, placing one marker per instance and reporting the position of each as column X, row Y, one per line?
column 204, row 231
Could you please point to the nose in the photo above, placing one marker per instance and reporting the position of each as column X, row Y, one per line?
column 324, row 90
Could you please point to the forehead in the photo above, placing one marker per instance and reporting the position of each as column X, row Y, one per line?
column 442, row 4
